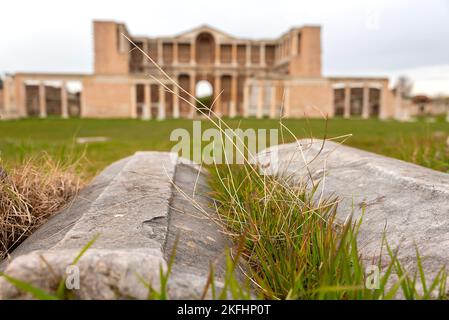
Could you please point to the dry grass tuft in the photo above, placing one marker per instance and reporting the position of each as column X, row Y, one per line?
column 29, row 194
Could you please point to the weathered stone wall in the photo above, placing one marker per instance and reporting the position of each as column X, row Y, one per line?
column 110, row 51
column 107, row 97
column 311, row 98
column 233, row 66
column 307, row 60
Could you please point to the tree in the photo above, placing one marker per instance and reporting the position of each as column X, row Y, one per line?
column 405, row 86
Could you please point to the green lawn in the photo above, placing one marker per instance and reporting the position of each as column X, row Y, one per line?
column 420, row 142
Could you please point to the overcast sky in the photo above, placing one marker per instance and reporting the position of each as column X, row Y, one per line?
column 369, row 37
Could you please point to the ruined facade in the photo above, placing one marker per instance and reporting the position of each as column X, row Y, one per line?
column 261, row 78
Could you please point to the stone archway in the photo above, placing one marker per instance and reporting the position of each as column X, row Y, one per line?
column 204, row 92
column 205, row 49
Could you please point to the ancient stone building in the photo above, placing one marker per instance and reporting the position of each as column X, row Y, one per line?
column 261, row 78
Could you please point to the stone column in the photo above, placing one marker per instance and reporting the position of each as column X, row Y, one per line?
column 246, row 98
column 42, row 100
column 133, row 102
column 192, row 52
column 287, row 106
column 175, row 52
column 248, row 54
column 176, row 98
column 192, row 93
column 273, row 101
column 262, row 54
column 217, row 54
column 260, row 99
column 217, row 96
column 234, row 53
column 347, row 105
column 365, row 108
column 146, row 112
column 161, row 105
column 234, row 97
column 64, row 101
column 160, row 53
column 383, row 113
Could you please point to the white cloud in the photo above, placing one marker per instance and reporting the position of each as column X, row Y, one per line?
column 376, row 37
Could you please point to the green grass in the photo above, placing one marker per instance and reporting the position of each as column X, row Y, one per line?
column 418, row 142
column 292, row 245
column 295, row 249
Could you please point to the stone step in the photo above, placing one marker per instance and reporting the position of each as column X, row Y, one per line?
column 137, row 207
column 408, row 202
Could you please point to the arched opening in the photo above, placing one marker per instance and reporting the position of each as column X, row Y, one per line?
column 204, row 92
column 205, row 48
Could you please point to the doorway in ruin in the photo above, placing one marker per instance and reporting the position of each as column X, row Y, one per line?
column 205, row 49
column 204, row 93
column 356, row 102
column 339, row 102
column 32, row 99
column 74, row 93
column 140, row 100
column 374, row 102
